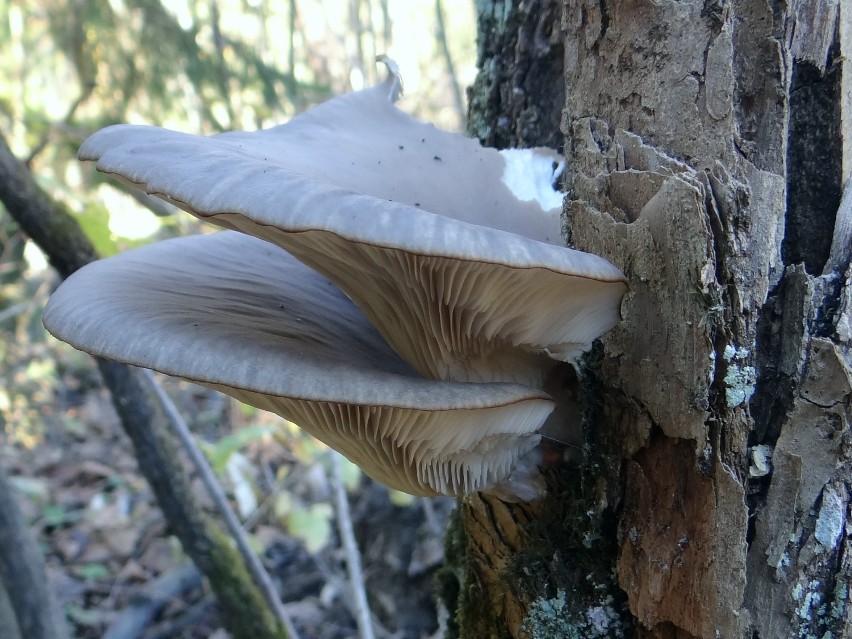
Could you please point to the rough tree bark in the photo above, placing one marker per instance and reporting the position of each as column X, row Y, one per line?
column 707, row 159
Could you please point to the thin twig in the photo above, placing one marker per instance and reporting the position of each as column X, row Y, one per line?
column 45, row 138
column 190, row 619
column 29, row 305
column 350, row 547
column 448, row 59
column 275, row 487
column 255, row 567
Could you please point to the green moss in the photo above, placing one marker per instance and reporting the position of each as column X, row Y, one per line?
column 237, row 592
column 570, row 546
column 564, row 576
column 477, row 618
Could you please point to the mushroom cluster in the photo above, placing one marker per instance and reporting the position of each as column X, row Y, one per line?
column 396, row 290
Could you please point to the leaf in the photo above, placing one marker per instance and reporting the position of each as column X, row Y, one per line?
column 221, row 451
column 246, row 410
column 94, row 220
column 32, row 487
column 55, row 516
column 240, row 471
column 84, row 617
column 400, row 499
column 312, row 525
column 91, row 572
column 349, row 473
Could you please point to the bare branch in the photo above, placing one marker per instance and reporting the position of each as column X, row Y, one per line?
column 448, row 59
column 350, row 547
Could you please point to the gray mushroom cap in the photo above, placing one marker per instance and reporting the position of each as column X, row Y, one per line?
column 239, row 315
column 416, row 225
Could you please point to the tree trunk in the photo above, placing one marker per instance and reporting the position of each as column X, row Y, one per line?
column 706, row 158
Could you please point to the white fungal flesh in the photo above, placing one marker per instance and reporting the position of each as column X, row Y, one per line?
column 530, row 175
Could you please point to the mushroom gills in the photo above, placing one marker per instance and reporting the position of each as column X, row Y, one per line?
column 242, row 316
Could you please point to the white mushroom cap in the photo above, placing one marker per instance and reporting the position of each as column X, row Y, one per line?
column 416, row 225
column 237, row 314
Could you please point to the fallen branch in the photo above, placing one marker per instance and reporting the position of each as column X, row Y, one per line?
column 188, row 620
column 350, row 547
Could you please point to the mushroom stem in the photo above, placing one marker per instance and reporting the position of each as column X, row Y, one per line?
column 561, row 438
column 565, row 424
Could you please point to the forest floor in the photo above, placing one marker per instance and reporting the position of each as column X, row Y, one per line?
column 108, row 548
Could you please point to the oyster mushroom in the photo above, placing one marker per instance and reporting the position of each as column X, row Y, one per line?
column 430, row 378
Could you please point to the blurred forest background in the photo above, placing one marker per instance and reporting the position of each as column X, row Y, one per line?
column 70, row 67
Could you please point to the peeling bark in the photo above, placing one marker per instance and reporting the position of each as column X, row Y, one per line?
column 708, row 157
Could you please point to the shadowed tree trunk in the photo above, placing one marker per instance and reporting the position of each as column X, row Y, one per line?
column 706, row 158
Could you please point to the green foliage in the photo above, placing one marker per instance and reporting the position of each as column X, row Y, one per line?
column 400, row 499
column 351, row 476
column 54, row 515
column 69, row 68
column 94, row 220
column 219, row 452
column 93, row 571
column 83, row 617
column 310, row 524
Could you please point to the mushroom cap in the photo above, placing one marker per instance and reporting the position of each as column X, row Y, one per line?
column 416, row 225
column 240, row 315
